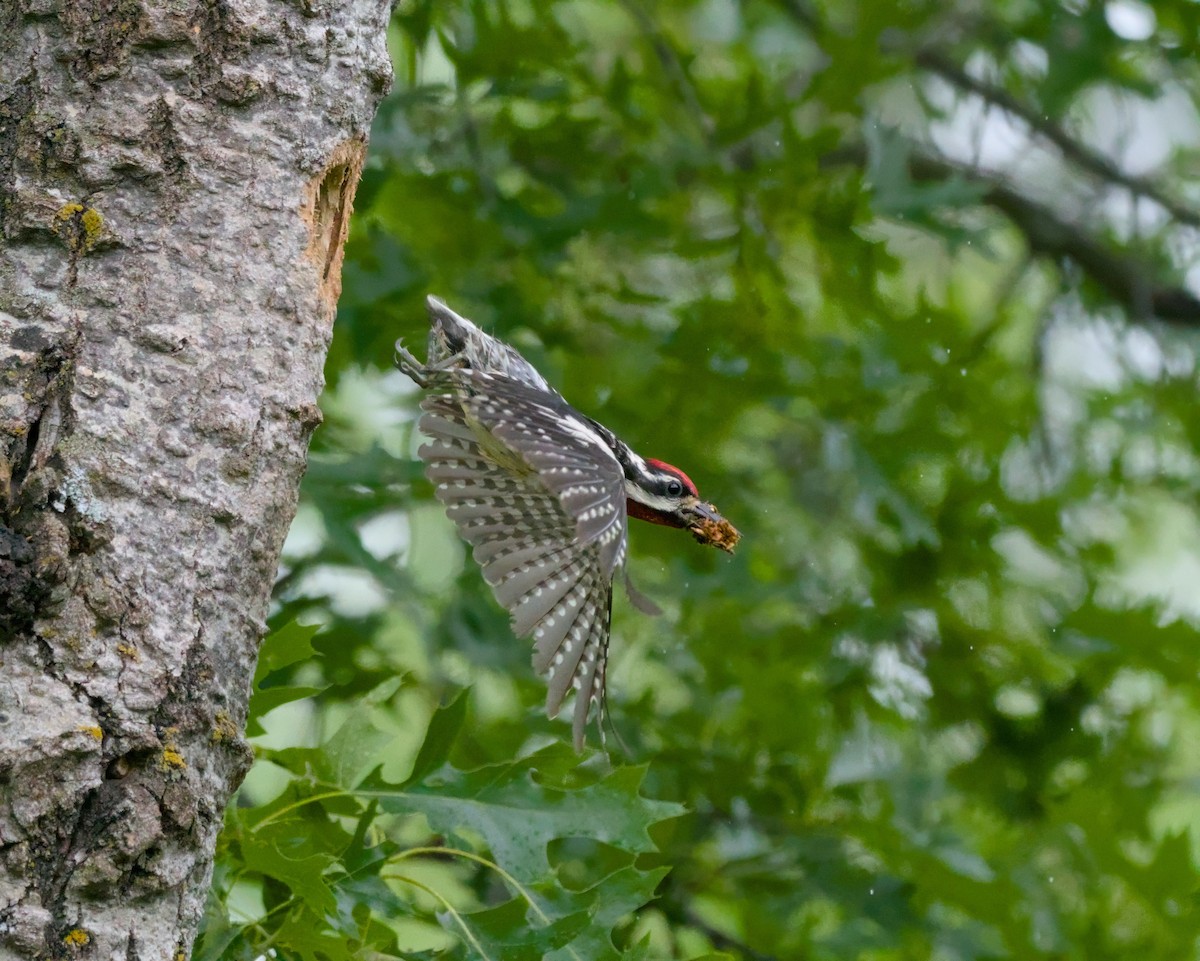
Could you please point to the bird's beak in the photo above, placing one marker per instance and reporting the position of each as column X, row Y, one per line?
column 701, row 512
column 709, row 527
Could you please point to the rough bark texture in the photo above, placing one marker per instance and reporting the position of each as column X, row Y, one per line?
column 175, row 181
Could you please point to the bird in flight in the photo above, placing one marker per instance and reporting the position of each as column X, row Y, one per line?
column 543, row 494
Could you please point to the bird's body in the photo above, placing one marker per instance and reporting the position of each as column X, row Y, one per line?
column 543, row 495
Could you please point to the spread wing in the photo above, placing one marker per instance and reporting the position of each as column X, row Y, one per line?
column 541, row 500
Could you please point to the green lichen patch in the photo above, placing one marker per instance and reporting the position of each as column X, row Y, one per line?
column 223, row 728
column 76, row 938
column 79, row 226
column 171, row 759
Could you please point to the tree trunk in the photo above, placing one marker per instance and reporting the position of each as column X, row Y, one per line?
column 175, row 182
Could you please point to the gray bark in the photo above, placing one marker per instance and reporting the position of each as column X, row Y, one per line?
column 175, row 181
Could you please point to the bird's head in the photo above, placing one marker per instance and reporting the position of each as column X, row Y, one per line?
column 663, row 494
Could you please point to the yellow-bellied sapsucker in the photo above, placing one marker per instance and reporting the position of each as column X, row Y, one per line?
column 543, row 494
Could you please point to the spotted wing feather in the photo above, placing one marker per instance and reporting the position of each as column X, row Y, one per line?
column 547, row 526
column 570, row 460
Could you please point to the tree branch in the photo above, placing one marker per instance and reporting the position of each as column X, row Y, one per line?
column 671, row 64
column 1078, row 153
column 1124, row 278
column 937, row 62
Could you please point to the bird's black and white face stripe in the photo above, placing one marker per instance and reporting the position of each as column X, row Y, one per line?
column 655, row 491
column 658, row 492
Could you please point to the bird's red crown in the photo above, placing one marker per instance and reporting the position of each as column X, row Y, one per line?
column 684, row 479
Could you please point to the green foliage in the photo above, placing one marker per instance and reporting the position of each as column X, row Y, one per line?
column 281, row 649
column 334, row 876
column 942, row 703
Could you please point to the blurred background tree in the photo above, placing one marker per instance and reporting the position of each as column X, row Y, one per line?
column 908, row 289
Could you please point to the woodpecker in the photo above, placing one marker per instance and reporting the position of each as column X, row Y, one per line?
column 542, row 493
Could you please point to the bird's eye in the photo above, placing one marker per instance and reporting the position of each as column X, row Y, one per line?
column 674, row 488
